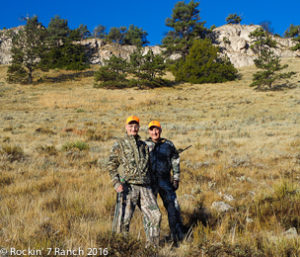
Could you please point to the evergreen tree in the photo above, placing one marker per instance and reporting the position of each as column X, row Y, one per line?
column 99, row 32
column 294, row 32
column 58, row 32
column 233, row 19
column 135, row 36
column 270, row 66
column 262, row 39
column 27, row 46
column 116, row 35
column 186, row 26
column 61, row 50
column 204, row 65
column 112, row 74
column 83, row 31
column 147, row 68
column 117, row 64
column 267, row 62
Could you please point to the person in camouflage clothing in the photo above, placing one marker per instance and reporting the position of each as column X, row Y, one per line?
column 132, row 183
column 164, row 158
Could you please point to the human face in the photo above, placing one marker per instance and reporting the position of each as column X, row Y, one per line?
column 132, row 129
column 154, row 133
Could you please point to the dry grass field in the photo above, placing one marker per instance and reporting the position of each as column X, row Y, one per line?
column 56, row 193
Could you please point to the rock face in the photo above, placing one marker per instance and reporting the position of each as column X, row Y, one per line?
column 233, row 39
column 100, row 51
column 5, row 44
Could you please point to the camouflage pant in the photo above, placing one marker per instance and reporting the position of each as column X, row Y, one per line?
column 165, row 189
column 126, row 202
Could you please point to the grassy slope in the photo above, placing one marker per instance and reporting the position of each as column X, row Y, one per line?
column 245, row 144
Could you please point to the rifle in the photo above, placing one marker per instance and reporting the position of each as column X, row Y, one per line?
column 180, row 150
column 118, row 219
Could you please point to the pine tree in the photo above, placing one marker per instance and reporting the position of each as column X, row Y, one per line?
column 83, row 31
column 112, row 74
column 294, row 32
column 27, row 46
column 267, row 62
column 204, row 65
column 262, row 39
column 116, row 35
column 147, row 68
column 270, row 66
column 131, row 36
column 135, row 36
column 99, row 32
column 61, row 50
column 233, row 19
column 186, row 26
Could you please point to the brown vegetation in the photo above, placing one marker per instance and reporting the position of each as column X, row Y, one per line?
column 55, row 190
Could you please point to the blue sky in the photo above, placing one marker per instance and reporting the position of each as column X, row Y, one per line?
column 149, row 14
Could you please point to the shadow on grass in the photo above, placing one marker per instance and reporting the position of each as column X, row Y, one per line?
column 136, row 84
column 67, row 77
column 199, row 215
column 280, row 87
column 120, row 245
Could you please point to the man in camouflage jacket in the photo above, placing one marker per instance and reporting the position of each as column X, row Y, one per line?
column 129, row 168
column 164, row 158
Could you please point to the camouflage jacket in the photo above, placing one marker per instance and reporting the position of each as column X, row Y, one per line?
column 129, row 162
column 164, row 158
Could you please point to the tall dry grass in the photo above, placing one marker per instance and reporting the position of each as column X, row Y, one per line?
column 55, row 191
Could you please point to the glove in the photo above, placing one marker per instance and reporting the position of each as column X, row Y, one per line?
column 175, row 184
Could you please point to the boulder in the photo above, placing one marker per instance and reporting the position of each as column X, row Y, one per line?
column 290, row 233
column 220, row 206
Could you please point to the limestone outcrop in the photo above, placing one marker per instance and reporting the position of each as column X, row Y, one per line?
column 235, row 42
column 6, row 43
column 99, row 51
column 233, row 39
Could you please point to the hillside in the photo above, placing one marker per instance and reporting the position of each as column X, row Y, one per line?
column 246, row 153
column 232, row 38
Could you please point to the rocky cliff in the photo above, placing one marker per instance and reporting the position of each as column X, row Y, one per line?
column 5, row 44
column 233, row 39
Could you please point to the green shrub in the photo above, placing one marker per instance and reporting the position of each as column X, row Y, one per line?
column 105, row 73
column 78, row 145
